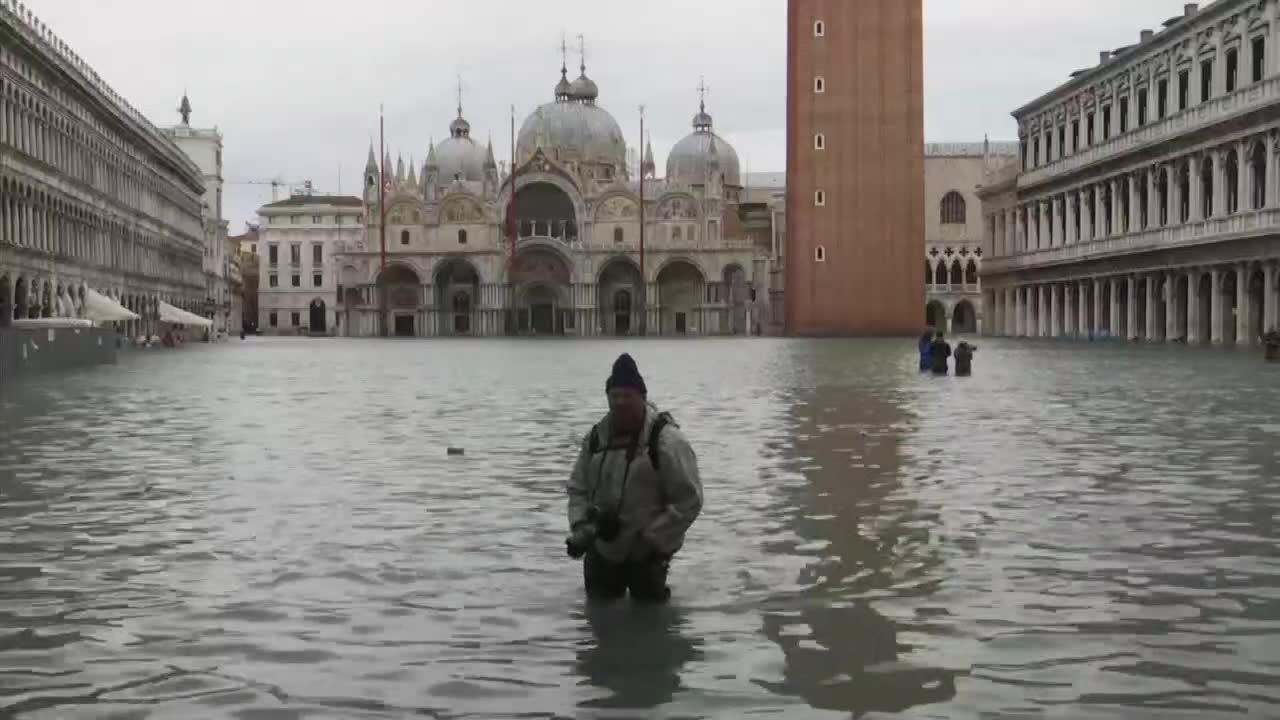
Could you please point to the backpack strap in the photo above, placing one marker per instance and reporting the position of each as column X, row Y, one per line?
column 659, row 424
column 594, row 443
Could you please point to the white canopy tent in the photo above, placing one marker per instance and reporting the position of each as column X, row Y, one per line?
column 100, row 308
column 178, row 316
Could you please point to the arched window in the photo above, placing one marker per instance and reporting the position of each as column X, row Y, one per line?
column 617, row 235
column 462, row 237
column 819, row 141
column 957, row 273
column 820, row 254
column 819, row 85
column 676, row 234
column 404, row 237
column 953, row 209
column 819, row 28
column 928, row 273
column 819, row 198
column 971, row 273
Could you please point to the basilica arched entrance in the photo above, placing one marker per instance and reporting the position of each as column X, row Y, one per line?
column 935, row 315
column 544, row 301
column 964, row 320
column 457, row 289
column 620, row 296
column 737, row 299
column 319, row 323
column 544, row 210
column 680, row 290
column 399, row 296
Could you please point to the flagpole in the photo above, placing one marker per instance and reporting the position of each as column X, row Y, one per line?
column 382, row 216
column 382, row 185
column 511, row 222
column 644, row 284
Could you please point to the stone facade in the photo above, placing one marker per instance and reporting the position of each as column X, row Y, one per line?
column 1146, row 206
column 855, row 178
column 298, row 240
column 204, row 147
column 954, row 253
column 244, row 249
column 91, row 193
column 554, row 248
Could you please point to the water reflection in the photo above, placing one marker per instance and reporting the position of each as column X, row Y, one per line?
column 274, row 529
column 635, row 653
column 867, row 544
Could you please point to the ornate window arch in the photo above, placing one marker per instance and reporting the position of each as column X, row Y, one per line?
column 954, row 210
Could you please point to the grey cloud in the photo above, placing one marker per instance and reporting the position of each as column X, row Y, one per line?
column 295, row 85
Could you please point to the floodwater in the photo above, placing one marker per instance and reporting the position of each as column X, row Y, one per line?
column 273, row 529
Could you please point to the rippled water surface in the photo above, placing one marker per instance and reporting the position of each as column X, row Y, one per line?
column 273, row 529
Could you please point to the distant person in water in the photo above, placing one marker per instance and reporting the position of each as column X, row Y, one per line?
column 964, row 359
column 633, row 494
column 939, row 354
column 926, row 341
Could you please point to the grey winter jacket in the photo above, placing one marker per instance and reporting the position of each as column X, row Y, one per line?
column 657, row 508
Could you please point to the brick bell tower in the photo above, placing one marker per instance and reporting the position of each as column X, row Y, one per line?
column 855, row 168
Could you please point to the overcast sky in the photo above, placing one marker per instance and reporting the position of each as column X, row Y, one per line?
column 294, row 85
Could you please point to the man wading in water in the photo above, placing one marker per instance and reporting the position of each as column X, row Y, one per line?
column 633, row 494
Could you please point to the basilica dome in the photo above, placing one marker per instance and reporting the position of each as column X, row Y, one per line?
column 458, row 154
column 574, row 127
column 688, row 160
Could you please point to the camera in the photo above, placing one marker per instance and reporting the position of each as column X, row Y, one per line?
column 603, row 524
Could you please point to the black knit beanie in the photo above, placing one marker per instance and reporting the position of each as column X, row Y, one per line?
column 626, row 374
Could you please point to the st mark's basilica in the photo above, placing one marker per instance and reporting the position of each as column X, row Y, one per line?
column 574, row 267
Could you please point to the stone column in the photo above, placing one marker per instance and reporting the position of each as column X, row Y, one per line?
column 1131, row 310
column 1153, row 333
column 1171, row 195
column 1197, row 190
column 1115, row 307
column 1097, row 306
column 1153, row 196
column 1117, row 211
column 1019, row 312
column 1082, row 316
column 1069, row 212
column 1219, row 185
column 1068, row 310
column 1086, row 217
column 1100, row 224
column 1244, row 313
column 1270, row 303
column 1269, row 197
column 1135, row 203
column 1044, row 234
column 1215, row 307
column 1010, row 232
column 1243, row 174
column 1172, row 325
column 1055, row 327
column 1053, row 238
column 1009, row 304
column 1193, row 307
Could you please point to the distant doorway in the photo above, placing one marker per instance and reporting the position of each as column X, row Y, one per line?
column 461, row 313
column 319, row 323
column 542, row 319
column 682, row 323
column 622, row 313
column 404, row 326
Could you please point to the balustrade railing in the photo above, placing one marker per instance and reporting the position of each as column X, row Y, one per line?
column 1174, row 236
column 1208, row 113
